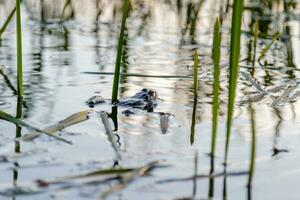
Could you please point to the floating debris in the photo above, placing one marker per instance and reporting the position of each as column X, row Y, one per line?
column 253, row 82
column 98, row 174
column 164, row 122
column 8, row 117
column 254, row 97
column 294, row 97
column 129, row 177
column 284, row 97
column 96, row 177
column 288, row 95
column 111, row 136
column 69, row 121
column 276, row 88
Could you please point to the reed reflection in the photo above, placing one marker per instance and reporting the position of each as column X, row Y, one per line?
column 253, row 151
column 17, row 143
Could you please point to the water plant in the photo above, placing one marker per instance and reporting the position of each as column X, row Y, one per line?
column 19, row 49
column 216, row 84
column 119, row 53
column 216, row 60
column 236, row 22
column 252, row 118
column 195, row 90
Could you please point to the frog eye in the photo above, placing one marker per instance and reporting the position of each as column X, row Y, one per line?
column 153, row 93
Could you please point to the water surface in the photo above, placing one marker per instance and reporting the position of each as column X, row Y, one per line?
column 59, row 49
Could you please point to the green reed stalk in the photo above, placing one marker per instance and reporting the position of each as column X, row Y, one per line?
column 236, row 22
column 19, row 50
column 196, row 74
column 253, row 145
column 9, row 18
column 114, row 97
column 252, row 118
column 216, row 61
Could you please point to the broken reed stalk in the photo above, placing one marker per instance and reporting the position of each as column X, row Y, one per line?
column 216, row 84
column 115, row 88
column 19, row 50
column 7, row 117
column 236, row 22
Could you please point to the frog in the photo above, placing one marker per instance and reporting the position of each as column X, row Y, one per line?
column 145, row 99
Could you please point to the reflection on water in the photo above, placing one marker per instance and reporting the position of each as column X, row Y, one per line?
column 17, row 143
column 64, row 39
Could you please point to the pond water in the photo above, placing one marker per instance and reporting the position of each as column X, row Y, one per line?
column 58, row 50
